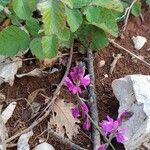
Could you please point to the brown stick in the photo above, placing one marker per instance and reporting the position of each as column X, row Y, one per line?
column 92, row 101
column 49, row 106
column 128, row 51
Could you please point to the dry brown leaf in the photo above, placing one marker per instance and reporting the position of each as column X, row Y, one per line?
column 62, row 121
column 33, row 95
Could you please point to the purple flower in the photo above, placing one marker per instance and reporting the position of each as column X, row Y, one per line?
column 109, row 125
column 75, row 112
column 102, row 147
column 120, row 137
column 124, row 116
column 84, row 107
column 77, row 80
column 87, row 124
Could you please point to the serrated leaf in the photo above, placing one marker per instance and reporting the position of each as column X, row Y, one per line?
column 1, row 8
column 148, row 2
column 50, row 46
column 36, row 48
column 22, row 9
column 109, row 4
column 74, row 18
column 13, row 40
column 136, row 9
column 77, row 3
column 103, row 18
column 4, row 2
column 53, row 16
column 64, row 35
column 93, row 37
column 32, row 26
column 62, row 121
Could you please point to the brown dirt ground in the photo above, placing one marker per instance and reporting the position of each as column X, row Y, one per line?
column 107, row 103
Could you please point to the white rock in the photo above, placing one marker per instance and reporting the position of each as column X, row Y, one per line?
column 133, row 94
column 139, row 42
column 44, row 146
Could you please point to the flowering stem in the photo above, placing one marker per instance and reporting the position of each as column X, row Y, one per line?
column 96, row 126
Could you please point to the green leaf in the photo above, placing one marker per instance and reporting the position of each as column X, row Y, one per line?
column 77, row 3
column 36, row 48
column 53, row 16
column 74, row 18
column 109, row 4
column 4, row 2
column 50, row 46
column 148, row 2
column 1, row 8
column 136, row 9
column 103, row 18
column 93, row 37
column 32, row 26
column 13, row 40
column 22, row 9
column 64, row 35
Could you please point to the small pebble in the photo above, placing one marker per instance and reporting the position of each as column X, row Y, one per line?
column 101, row 63
column 139, row 42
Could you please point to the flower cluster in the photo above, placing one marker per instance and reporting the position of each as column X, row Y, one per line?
column 81, row 110
column 77, row 80
column 110, row 127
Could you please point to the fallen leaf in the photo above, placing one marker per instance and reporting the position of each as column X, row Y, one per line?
column 33, row 95
column 34, row 73
column 7, row 113
column 3, row 134
column 62, row 121
column 8, row 69
column 22, row 143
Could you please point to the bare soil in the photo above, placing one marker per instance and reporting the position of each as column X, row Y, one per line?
column 107, row 103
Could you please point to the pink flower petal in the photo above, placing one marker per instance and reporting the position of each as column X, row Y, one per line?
column 87, row 124
column 76, row 89
column 75, row 112
column 69, row 84
column 102, row 147
column 86, row 81
column 109, row 125
column 84, row 107
column 77, row 73
column 120, row 137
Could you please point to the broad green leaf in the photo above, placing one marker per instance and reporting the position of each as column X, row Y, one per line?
column 22, row 9
column 50, row 46
column 53, row 16
column 109, row 4
column 103, row 18
column 1, row 8
column 64, row 35
column 36, row 48
column 32, row 26
column 93, row 37
column 13, row 40
column 77, row 3
column 136, row 9
column 4, row 2
column 74, row 18
column 148, row 2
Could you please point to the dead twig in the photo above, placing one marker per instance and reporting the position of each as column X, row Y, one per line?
column 127, row 14
column 128, row 51
column 92, row 101
column 113, row 64
column 49, row 106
